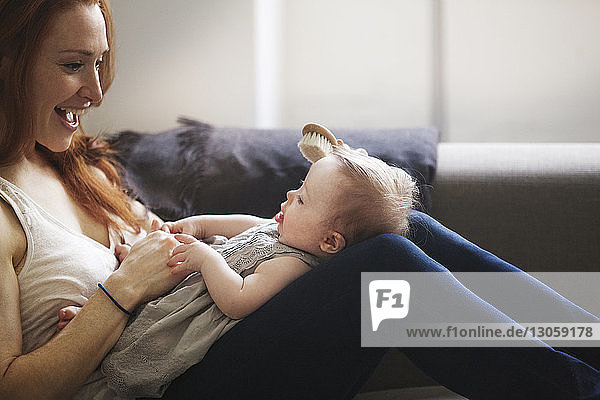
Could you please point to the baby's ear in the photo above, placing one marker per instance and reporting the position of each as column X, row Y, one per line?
column 333, row 242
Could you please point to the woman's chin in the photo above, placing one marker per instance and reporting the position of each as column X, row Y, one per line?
column 57, row 146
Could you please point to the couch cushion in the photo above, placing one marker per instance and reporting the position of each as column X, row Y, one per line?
column 198, row 168
column 540, row 198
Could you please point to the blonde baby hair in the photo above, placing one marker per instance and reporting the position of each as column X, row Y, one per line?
column 377, row 198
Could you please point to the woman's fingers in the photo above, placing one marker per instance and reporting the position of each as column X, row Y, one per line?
column 176, row 259
column 145, row 267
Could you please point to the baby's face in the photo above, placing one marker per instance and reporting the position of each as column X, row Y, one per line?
column 307, row 213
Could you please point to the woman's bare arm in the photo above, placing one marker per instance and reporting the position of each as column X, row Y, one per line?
column 59, row 368
column 66, row 361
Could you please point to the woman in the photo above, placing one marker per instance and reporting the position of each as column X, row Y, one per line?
column 61, row 203
column 62, row 208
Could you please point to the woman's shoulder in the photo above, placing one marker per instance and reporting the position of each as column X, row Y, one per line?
column 13, row 242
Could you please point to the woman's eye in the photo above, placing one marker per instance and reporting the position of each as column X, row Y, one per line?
column 74, row 67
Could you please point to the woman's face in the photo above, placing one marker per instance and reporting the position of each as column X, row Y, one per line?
column 65, row 80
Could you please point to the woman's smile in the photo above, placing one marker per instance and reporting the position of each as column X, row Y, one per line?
column 68, row 117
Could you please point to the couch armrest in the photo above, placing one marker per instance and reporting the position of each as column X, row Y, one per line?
column 536, row 205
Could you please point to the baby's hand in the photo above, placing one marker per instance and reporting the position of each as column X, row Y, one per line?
column 190, row 255
column 65, row 315
column 189, row 226
column 156, row 226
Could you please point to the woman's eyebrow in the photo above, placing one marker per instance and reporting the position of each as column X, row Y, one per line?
column 81, row 51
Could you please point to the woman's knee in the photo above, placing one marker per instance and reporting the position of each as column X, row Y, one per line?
column 386, row 252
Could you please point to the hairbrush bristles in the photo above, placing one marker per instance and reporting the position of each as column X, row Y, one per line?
column 317, row 142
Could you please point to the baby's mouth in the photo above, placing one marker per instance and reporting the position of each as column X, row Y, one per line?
column 279, row 217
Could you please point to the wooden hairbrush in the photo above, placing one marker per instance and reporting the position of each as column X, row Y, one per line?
column 317, row 142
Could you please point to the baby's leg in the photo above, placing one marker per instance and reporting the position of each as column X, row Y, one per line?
column 65, row 315
column 121, row 251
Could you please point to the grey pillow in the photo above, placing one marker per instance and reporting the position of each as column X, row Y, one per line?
column 198, row 168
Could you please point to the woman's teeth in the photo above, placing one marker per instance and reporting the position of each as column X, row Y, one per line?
column 70, row 112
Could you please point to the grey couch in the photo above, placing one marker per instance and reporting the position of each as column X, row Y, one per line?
column 535, row 205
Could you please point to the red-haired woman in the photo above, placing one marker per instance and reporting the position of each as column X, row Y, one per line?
column 62, row 213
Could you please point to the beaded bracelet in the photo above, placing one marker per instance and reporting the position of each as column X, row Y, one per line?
column 113, row 299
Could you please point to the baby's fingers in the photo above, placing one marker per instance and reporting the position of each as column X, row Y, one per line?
column 180, row 268
column 183, row 238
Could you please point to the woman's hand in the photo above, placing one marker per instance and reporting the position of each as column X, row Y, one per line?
column 143, row 274
column 190, row 255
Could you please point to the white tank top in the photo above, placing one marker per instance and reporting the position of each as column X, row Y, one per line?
column 60, row 268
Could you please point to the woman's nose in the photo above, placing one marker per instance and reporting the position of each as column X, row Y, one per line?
column 92, row 89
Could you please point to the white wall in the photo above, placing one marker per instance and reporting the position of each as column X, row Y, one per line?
column 511, row 70
column 522, row 70
column 180, row 57
column 358, row 63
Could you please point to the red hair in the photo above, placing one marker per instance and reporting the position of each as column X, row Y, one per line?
column 23, row 24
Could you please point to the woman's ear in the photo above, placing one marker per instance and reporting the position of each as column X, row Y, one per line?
column 332, row 243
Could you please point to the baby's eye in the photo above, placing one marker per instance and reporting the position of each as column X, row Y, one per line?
column 300, row 200
column 73, row 67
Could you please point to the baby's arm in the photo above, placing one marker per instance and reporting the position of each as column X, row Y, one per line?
column 203, row 226
column 235, row 296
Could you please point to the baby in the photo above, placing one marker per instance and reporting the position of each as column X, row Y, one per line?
column 346, row 197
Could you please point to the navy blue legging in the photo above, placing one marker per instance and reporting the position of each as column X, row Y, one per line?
column 305, row 342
